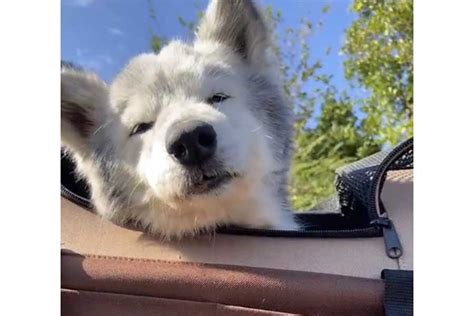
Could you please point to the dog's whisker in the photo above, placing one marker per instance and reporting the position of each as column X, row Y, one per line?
column 133, row 191
column 257, row 129
column 102, row 126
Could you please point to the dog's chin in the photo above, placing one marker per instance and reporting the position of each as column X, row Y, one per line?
column 209, row 184
column 202, row 182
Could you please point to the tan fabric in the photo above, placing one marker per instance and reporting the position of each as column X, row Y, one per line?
column 89, row 303
column 397, row 198
column 258, row 288
column 84, row 232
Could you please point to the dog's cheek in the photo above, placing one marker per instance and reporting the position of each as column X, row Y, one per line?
column 232, row 146
column 241, row 136
column 132, row 151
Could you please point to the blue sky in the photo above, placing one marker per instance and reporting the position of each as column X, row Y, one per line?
column 102, row 35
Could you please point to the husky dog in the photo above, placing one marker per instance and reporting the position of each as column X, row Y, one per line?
column 195, row 137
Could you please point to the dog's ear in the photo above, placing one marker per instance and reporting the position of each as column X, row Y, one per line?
column 84, row 108
column 237, row 24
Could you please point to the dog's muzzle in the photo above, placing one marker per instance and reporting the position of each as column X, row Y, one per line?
column 191, row 143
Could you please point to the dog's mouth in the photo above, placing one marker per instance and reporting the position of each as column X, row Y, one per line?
column 207, row 182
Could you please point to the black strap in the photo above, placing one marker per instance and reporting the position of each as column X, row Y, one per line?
column 398, row 298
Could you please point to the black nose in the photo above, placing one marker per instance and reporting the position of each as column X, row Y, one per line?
column 191, row 143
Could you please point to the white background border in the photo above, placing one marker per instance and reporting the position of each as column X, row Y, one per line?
column 444, row 158
column 29, row 157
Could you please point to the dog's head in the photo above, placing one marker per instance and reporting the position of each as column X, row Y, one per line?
column 197, row 126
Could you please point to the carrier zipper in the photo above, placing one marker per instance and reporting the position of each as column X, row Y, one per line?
column 393, row 246
column 376, row 186
column 371, row 231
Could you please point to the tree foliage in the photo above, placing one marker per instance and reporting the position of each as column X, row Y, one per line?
column 328, row 131
column 379, row 50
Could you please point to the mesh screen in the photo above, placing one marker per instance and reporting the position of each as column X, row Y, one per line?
column 353, row 181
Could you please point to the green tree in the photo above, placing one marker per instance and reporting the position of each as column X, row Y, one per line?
column 335, row 141
column 379, row 51
column 323, row 142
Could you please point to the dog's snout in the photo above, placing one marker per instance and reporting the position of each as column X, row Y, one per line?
column 191, row 143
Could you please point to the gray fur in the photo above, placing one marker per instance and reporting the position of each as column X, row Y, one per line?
column 245, row 31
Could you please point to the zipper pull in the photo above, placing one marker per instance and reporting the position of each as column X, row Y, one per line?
column 393, row 246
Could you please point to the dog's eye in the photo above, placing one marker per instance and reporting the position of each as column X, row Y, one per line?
column 141, row 128
column 217, row 98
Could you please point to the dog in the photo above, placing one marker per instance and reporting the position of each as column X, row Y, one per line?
column 195, row 137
